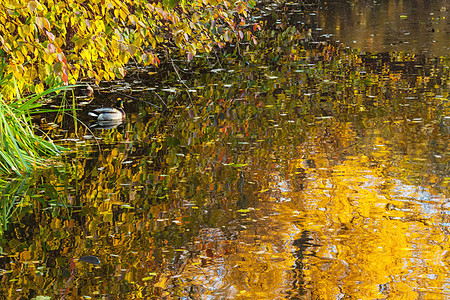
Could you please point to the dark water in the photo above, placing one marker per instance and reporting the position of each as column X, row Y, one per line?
column 420, row 27
column 303, row 171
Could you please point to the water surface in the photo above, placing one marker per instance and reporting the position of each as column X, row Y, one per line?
column 297, row 174
column 420, row 27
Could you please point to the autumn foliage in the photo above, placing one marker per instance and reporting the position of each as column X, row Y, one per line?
column 48, row 42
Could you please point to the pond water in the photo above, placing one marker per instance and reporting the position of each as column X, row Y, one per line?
column 385, row 25
column 302, row 171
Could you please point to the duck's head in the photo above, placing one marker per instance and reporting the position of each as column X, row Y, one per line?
column 85, row 91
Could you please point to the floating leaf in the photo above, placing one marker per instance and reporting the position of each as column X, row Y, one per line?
column 239, row 165
column 90, row 259
column 42, row 298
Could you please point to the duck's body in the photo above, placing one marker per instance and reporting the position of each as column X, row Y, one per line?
column 107, row 114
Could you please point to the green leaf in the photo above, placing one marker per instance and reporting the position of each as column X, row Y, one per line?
column 239, row 165
column 57, row 67
column 170, row 4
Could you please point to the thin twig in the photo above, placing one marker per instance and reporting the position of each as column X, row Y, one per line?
column 179, row 78
column 87, row 127
column 134, row 98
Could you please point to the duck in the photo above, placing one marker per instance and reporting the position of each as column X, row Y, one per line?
column 84, row 90
column 108, row 114
column 87, row 91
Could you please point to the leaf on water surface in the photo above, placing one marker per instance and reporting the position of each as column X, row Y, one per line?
column 90, row 259
column 235, row 165
column 127, row 206
column 239, row 165
column 3, row 272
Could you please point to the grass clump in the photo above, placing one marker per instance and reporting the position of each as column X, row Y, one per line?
column 21, row 149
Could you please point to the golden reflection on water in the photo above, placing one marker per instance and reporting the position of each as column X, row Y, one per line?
column 335, row 229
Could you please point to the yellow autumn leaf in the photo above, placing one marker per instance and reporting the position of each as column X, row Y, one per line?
column 42, row 23
column 39, row 88
column 33, row 5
